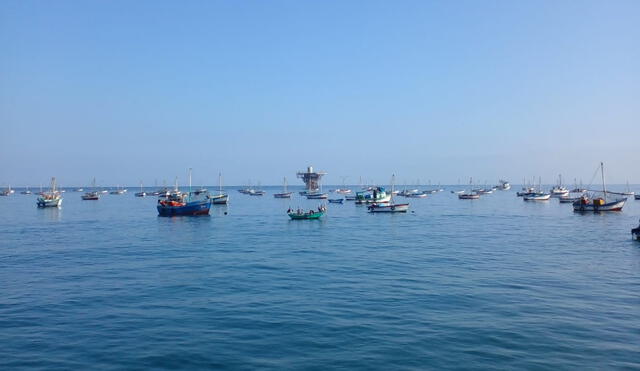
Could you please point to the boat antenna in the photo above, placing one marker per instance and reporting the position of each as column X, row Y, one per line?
column 604, row 189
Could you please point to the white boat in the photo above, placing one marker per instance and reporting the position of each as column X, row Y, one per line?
column 222, row 198
column 51, row 198
column 377, row 195
column 141, row 193
column 389, row 207
column 471, row 195
column 317, row 196
column 285, row 193
column 93, row 195
column 416, row 195
column 538, row 196
column 26, row 191
column 599, row 204
column 559, row 190
column 628, row 192
column 504, row 185
column 118, row 191
column 567, row 199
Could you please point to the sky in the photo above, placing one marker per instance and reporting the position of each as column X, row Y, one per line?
column 428, row 90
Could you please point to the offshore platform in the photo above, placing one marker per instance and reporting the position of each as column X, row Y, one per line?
column 311, row 178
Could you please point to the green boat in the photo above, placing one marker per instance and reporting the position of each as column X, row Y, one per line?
column 311, row 214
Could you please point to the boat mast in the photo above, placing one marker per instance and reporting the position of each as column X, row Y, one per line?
column 285, row 184
column 393, row 178
column 189, row 180
column 220, row 182
column 604, row 189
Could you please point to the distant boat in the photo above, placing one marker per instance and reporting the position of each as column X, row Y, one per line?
column 568, row 199
column 538, row 196
column 222, row 198
column 317, row 196
column 635, row 233
column 457, row 192
column 471, row 195
column 628, row 192
column 93, row 195
column 311, row 214
column 285, row 193
column 376, row 195
column 637, row 197
column 51, row 198
column 336, row 200
column 416, row 195
column 118, row 191
column 7, row 192
column 559, row 190
column 350, row 198
column 389, row 207
column 79, row 190
column 26, row 192
column 141, row 193
column 504, row 185
column 257, row 193
column 598, row 204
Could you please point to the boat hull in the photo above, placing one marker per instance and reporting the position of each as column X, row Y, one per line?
column 617, row 205
column 282, row 195
column 337, row 201
column 307, row 216
column 394, row 208
column 468, row 197
column 49, row 203
column 189, row 209
column 544, row 197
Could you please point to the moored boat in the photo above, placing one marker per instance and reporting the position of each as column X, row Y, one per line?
column 336, row 200
column 537, row 196
column 471, row 195
column 598, row 204
column 635, row 233
column 141, row 193
column 285, row 193
column 51, row 198
column 389, row 207
column 184, row 203
column 376, row 195
column 222, row 198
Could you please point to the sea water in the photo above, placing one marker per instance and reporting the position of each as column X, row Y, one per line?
column 495, row 283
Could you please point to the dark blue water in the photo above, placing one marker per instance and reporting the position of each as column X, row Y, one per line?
column 490, row 284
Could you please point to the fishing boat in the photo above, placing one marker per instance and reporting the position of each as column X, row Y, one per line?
column 222, row 198
column 317, row 196
column 118, row 191
column 635, row 233
column 350, row 198
column 537, row 196
column 389, row 207
column 336, row 200
column 79, row 190
column 141, row 193
column 184, row 203
column 311, row 214
column 26, row 192
column 285, row 193
column 504, row 185
column 567, row 199
column 598, row 204
column 637, row 197
column 559, row 190
column 471, row 195
column 526, row 191
column 628, row 191
column 377, row 195
column 416, row 195
column 7, row 192
column 257, row 193
column 92, row 195
column 457, row 192
column 52, row 198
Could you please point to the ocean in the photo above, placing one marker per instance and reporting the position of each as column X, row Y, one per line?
column 495, row 283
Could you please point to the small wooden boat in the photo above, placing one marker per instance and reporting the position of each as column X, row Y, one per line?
column 222, row 198
column 598, row 204
column 336, row 200
column 471, row 195
column 317, row 196
column 377, row 195
column 311, row 214
column 416, row 195
column 91, row 196
column 51, row 198
column 118, row 191
column 257, row 193
column 538, row 196
column 635, row 233
column 284, row 193
column 141, row 193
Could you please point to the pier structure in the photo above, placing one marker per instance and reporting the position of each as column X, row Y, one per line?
column 311, row 178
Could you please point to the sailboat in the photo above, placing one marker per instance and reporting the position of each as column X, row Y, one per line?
column 628, row 192
column 51, row 198
column 221, row 198
column 598, row 204
column 389, row 207
column 559, row 190
column 284, row 193
column 537, row 195
column 469, row 195
column 141, row 193
column 93, row 195
column 118, row 191
column 7, row 192
column 26, row 191
column 317, row 195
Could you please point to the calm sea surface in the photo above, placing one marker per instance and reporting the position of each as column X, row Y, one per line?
column 495, row 283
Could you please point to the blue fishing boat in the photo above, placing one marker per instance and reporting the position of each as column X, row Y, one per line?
column 336, row 200
column 185, row 203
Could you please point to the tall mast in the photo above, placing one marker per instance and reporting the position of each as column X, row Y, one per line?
column 285, row 184
column 393, row 178
column 604, row 189
column 189, row 180
column 220, row 182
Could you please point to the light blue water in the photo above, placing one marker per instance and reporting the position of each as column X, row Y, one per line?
column 495, row 283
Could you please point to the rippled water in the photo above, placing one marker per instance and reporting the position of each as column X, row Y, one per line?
column 493, row 283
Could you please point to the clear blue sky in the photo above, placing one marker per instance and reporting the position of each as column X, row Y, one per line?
column 440, row 90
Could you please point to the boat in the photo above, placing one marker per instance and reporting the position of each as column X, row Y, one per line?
column 504, row 185
column 118, row 191
column 537, row 196
column 343, row 191
column 350, row 198
column 93, row 195
column 377, row 195
column 26, row 192
column 7, row 192
column 79, row 190
column 317, row 196
column 628, row 192
column 559, row 190
column 635, row 233
column 567, row 199
column 184, row 203
column 285, row 193
column 457, row 192
column 311, row 214
column 470, row 195
column 336, row 200
column 526, row 191
column 598, row 204
column 637, row 197
column 141, row 193
column 222, row 198
column 52, row 198
column 257, row 193
column 416, row 195
column 389, row 207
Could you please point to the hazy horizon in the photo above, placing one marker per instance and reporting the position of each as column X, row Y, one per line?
column 125, row 91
